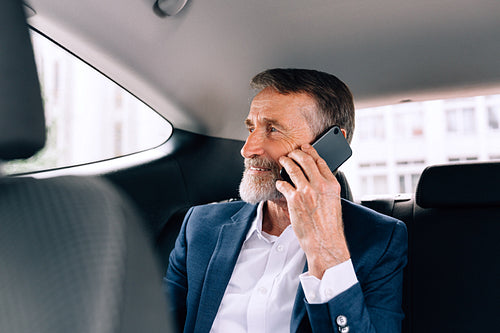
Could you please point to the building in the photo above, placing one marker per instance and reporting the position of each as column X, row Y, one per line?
column 393, row 144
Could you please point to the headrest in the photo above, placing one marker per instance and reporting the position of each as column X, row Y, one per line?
column 22, row 122
column 345, row 189
column 460, row 185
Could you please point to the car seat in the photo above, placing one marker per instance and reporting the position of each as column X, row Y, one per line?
column 453, row 268
column 453, row 221
column 74, row 256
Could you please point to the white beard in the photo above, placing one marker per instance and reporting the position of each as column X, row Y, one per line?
column 257, row 188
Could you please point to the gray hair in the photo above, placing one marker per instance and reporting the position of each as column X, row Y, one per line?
column 333, row 98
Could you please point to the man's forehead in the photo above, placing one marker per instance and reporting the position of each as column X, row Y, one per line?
column 275, row 107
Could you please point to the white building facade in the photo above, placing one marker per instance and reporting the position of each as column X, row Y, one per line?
column 393, row 144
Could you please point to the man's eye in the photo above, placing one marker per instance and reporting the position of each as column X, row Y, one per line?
column 273, row 129
column 251, row 129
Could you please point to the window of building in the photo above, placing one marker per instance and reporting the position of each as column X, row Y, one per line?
column 460, row 130
column 408, row 182
column 371, row 127
column 89, row 118
column 408, row 121
column 494, row 117
column 461, row 121
column 374, row 184
column 380, row 184
column 463, row 159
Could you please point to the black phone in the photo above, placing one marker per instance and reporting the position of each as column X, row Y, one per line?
column 332, row 147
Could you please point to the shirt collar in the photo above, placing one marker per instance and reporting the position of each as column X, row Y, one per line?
column 256, row 226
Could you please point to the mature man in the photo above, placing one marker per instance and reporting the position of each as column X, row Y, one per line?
column 289, row 258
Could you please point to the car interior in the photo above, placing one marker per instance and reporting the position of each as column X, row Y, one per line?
column 75, row 254
column 84, row 247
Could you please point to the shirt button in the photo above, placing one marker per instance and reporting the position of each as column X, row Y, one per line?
column 280, row 248
column 329, row 293
column 341, row 321
column 263, row 290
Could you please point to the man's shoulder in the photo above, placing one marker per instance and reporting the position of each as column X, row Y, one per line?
column 219, row 213
column 370, row 229
column 223, row 207
column 204, row 223
column 371, row 235
column 358, row 214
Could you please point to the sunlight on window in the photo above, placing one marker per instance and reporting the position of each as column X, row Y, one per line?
column 89, row 117
column 393, row 144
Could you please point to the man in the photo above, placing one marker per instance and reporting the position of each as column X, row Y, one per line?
column 289, row 258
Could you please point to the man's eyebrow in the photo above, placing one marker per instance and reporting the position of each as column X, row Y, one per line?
column 275, row 123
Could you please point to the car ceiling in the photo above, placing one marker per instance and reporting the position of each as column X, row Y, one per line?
column 194, row 68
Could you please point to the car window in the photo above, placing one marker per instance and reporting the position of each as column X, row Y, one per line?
column 393, row 144
column 89, row 117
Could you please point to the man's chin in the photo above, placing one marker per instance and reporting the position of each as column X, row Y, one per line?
column 253, row 193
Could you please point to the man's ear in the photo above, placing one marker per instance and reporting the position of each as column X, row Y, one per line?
column 344, row 132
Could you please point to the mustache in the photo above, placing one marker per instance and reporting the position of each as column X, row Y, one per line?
column 261, row 162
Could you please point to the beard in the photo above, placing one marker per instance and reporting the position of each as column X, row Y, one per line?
column 255, row 188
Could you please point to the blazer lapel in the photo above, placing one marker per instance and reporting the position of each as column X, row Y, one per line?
column 221, row 265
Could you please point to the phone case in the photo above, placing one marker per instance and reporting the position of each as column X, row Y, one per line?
column 332, row 147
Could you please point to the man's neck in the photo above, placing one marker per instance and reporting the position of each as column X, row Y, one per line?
column 275, row 217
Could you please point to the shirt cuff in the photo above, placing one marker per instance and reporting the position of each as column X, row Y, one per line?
column 336, row 280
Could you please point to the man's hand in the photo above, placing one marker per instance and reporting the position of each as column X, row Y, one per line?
column 315, row 209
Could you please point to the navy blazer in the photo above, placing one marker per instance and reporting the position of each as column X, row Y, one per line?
column 210, row 240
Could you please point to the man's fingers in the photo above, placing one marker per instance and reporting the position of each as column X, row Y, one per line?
column 307, row 163
column 294, row 171
column 285, row 188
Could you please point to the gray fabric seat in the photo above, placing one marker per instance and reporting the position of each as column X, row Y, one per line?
column 75, row 259
column 74, row 256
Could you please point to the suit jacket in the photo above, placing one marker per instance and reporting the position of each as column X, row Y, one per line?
column 209, row 243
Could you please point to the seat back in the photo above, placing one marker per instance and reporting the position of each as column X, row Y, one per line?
column 453, row 258
column 22, row 123
column 74, row 256
column 453, row 221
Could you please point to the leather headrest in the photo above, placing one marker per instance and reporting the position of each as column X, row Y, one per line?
column 22, row 122
column 460, row 185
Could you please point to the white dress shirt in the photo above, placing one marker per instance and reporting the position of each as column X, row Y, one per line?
column 261, row 293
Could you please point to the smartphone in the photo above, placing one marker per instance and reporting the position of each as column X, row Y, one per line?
column 332, row 147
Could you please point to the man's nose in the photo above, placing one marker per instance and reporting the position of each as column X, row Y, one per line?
column 254, row 146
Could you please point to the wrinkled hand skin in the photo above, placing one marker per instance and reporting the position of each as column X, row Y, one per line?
column 314, row 208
